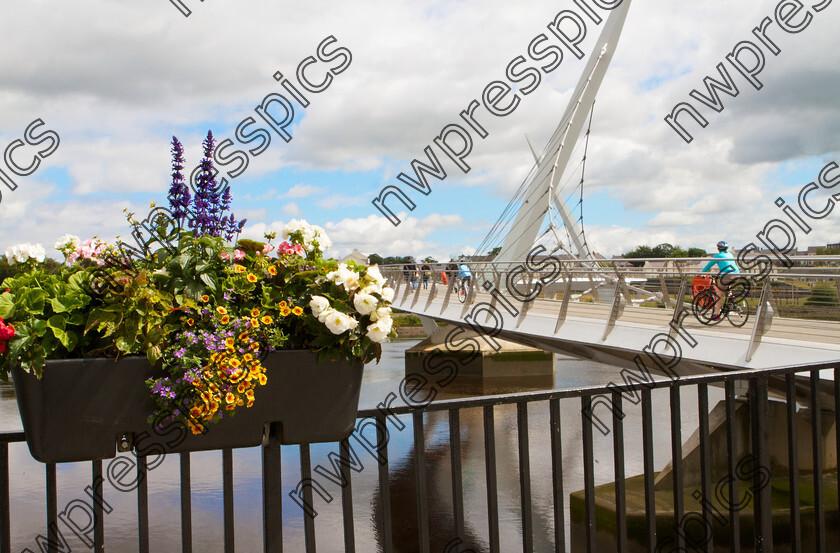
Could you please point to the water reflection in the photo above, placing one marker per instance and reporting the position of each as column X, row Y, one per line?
column 27, row 476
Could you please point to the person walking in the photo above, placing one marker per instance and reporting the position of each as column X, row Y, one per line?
column 426, row 273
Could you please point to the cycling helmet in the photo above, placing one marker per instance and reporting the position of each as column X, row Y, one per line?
column 722, row 246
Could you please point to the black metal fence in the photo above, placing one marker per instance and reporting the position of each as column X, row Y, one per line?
column 769, row 506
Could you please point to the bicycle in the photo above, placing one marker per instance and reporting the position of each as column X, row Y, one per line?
column 734, row 307
column 463, row 289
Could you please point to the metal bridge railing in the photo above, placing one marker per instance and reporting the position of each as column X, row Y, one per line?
column 596, row 432
column 809, row 289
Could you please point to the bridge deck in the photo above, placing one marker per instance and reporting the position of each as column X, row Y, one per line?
column 617, row 335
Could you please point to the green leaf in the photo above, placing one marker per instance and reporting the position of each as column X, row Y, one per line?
column 34, row 301
column 7, row 306
column 194, row 290
column 209, row 281
column 68, row 339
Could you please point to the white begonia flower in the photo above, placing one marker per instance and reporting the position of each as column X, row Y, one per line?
column 387, row 293
column 322, row 316
column 343, row 276
column 375, row 275
column 371, row 289
column 319, row 304
column 365, row 303
column 68, row 242
column 380, row 313
column 339, row 323
column 378, row 331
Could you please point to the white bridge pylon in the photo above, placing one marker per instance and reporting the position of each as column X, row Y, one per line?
column 550, row 165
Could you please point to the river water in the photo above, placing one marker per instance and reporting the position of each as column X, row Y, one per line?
column 28, row 488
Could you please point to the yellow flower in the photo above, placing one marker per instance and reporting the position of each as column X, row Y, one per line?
column 250, row 403
column 225, row 319
column 252, row 277
column 282, row 304
column 255, row 312
column 240, row 269
column 272, row 271
column 267, row 320
column 230, row 407
column 255, row 323
column 221, row 310
column 297, row 310
column 247, row 357
column 235, row 363
column 205, row 298
column 241, row 388
column 263, row 379
column 249, row 394
column 239, row 401
column 230, row 398
column 254, row 346
column 284, row 311
column 196, row 428
column 190, row 322
column 229, row 341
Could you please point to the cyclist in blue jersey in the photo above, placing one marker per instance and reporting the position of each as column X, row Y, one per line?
column 727, row 273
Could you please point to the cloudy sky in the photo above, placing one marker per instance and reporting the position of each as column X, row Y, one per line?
column 117, row 79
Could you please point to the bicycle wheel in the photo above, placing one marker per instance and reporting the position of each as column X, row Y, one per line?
column 703, row 307
column 462, row 292
column 738, row 313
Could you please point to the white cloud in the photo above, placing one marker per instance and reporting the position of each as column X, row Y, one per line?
column 291, row 209
column 116, row 80
column 302, row 191
column 334, row 201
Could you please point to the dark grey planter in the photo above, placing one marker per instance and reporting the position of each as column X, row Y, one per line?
column 81, row 408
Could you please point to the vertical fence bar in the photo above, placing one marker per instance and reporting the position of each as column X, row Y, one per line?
column 793, row 463
column 52, row 507
column 98, row 507
column 557, row 477
column 384, row 485
column 272, row 493
column 676, row 462
column 705, row 494
column 650, row 476
column 457, row 477
column 306, row 476
column 761, row 451
column 525, row 476
column 142, row 504
column 588, row 474
column 420, row 478
column 347, row 497
column 732, row 462
column 816, row 442
column 5, row 512
column 227, row 499
column 490, row 470
column 837, row 421
column 186, row 503
column 618, row 462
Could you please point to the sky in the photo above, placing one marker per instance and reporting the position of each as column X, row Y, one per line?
column 117, row 80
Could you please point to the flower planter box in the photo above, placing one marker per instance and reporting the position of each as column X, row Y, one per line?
column 81, row 408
